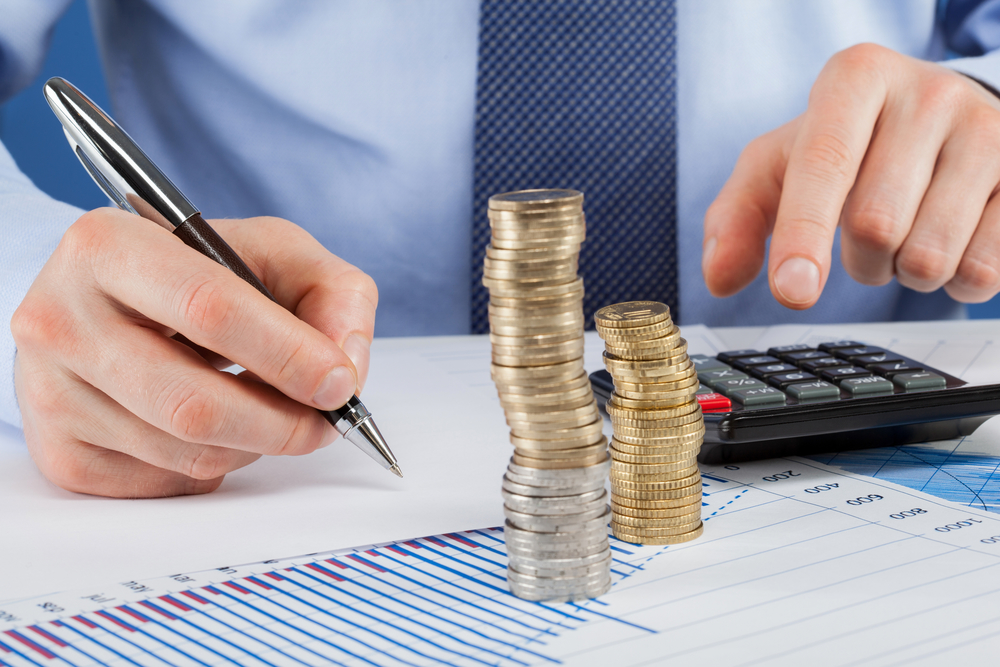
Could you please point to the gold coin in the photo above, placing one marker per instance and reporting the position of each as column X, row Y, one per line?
column 565, row 405
column 551, row 242
column 570, row 369
column 666, row 340
column 618, row 412
column 536, row 222
column 531, row 352
column 657, row 404
column 507, row 288
column 637, row 459
column 657, row 531
column 621, row 480
column 681, row 498
column 654, row 494
column 592, row 430
column 588, row 410
column 547, row 399
column 684, row 454
column 541, row 233
column 542, row 386
column 624, row 536
column 631, row 314
column 645, row 523
column 584, row 440
column 622, row 485
column 664, row 383
column 537, row 318
column 634, row 334
column 532, row 264
column 690, row 443
column 672, row 357
column 532, row 253
column 535, row 340
column 559, row 464
column 659, row 513
column 619, row 368
column 658, row 423
column 566, row 325
column 686, row 388
column 667, row 432
column 648, row 473
column 589, row 450
column 535, row 200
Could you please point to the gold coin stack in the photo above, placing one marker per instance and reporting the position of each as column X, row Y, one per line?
column 658, row 425
column 554, row 496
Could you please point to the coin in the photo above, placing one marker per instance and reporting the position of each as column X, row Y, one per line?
column 624, row 536
column 631, row 314
column 535, row 200
column 679, row 509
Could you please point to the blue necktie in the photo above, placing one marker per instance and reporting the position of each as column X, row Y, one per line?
column 581, row 94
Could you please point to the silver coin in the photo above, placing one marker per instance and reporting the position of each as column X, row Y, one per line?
column 573, row 567
column 565, row 486
column 515, row 534
column 549, row 491
column 556, row 582
column 563, row 553
column 558, row 524
column 589, row 472
column 570, row 499
column 533, row 593
column 540, row 507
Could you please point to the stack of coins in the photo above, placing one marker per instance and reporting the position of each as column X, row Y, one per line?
column 658, row 425
column 554, row 497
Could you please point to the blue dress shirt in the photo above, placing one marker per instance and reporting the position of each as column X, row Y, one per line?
column 354, row 119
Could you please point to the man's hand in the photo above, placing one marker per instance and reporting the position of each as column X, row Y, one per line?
column 120, row 338
column 902, row 153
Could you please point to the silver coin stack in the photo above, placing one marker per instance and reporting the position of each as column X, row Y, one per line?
column 554, row 496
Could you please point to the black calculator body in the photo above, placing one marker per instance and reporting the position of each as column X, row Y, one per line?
column 840, row 395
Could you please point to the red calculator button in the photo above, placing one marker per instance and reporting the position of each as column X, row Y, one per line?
column 714, row 403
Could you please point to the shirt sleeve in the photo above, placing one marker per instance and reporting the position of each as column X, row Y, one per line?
column 971, row 31
column 31, row 222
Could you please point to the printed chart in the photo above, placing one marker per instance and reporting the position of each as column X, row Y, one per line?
column 799, row 564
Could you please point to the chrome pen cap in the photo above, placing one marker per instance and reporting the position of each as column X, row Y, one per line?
column 113, row 160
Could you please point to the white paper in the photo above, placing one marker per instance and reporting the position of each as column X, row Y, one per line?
column 437, row 407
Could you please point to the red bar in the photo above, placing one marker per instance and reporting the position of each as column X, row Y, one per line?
column 86, row 622
column 177, row 603
column 259, row 583
column 211, row 590
column 123, row 626
column 30, row 644
column 136, row 615
column 413, row 543
column 714, row 403
column 332, row 561
column 161, row 612
column 236, row 587
column 397, row 550
column 462, row 540
column 276, row 577
column 371, row 552
column 194, row 596
column 362, row 561
column 51, row 637
column 317, row 568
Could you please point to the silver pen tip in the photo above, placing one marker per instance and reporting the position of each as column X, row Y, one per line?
column 396, row 471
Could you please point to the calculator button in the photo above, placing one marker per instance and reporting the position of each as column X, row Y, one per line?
column 703, row 362
column 782, row 350
column 859, row 351
column 891, row 368
column 702, row 389
column 843, row 372
column 765, row 371
column 813, row 391
column 785, row 379
column 732, row 355
column 871, row 359
column 714, row 403
column 872, row 384
column 919, row 381
column 744, row 363
column 805, row 355
column 712, row 377
column 814, row 365
column 758, row 396
column 727, row 387
column 835, row 344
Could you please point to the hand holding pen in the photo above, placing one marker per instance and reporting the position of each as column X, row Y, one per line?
column 114, row 403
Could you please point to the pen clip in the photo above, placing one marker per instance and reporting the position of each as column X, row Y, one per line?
column 114, row 161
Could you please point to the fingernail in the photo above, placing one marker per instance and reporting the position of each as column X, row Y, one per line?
column 797, row 280
column 358, row 349
column 336, row 388
column 707, row 253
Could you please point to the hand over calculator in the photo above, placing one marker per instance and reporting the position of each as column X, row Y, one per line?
column 796, row 399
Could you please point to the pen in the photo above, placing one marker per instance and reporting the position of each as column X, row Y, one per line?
column 135, row 184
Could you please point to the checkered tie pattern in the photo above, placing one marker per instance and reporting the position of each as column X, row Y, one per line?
column 581, row 94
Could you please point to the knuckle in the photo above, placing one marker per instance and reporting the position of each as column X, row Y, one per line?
column 208, row 306
column 979, row 276
column 829, row 154
column 874, row 227
column 193, row 413
column 862, row 60
column 924, row 264
column 206, row 463
column 42, row 324
column 303, row 437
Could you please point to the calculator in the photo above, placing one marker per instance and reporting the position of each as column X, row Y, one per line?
column 840, row 395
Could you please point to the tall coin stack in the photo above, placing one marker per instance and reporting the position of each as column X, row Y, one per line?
column 658, row 425
column 554, row 497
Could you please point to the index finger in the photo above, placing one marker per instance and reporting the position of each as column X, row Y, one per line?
column 844, row 107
